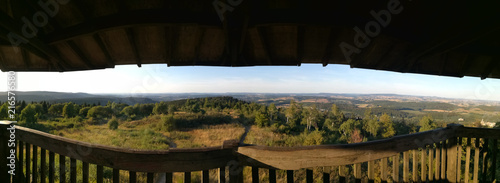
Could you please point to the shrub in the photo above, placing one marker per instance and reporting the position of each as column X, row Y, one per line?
column 168, row 122
column 113, row 124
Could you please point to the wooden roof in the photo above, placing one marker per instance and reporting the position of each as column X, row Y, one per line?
column 450, row 38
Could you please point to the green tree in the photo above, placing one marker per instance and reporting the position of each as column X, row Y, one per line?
column 160, row 108
column 261, row 119
column 427, row 123
column 113, row 124
column 310, row 117
column 387, row 126
column 29, row 115
column 371, row 125
column 168, row 122
column 56, row 109
column 69, row 110
column 83, row 111
column 4, row 109
column 314, row 138
column 273, row 112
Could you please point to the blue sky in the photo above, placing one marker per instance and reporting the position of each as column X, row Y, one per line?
column 308, row 78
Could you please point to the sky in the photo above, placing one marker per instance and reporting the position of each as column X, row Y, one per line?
column 308, row 78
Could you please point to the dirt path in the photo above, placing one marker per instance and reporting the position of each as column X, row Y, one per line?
column 242, row 139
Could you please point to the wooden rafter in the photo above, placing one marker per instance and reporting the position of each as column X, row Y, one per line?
column 80, row 54
column 104, row 50
column 133, row 44
column 300, row 44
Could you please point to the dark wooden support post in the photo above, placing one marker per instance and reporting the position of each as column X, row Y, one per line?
column 4, row 151
column 451, row 156
column 326, row 174
column 289, row 176
column 205, row 177
column 272, row 176
column 309, row 176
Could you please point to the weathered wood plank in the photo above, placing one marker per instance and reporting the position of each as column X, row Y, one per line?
column 150, row 177
column 21, row 160
column 437, row 163
column 326, row 174
column 100, row 174
column 494, row 160
column 294, row 158
column 467, row 161
column 255, row 174
column 451, row 155
column 174, row 160
column 51, row 166
column 43, row 163
column 357, row 172
column 383, row 169
column 443, row 160
column 459, row 159
column 222, row 174
column 490, row 133
column 72, row 171
column 133, row 177
column 371, row 169
column 169, row 177
column 187, row 177
column 34, row 168
column 116, row 175
column 342, row 174
column 309, row 175
column 62, row 168
column 476, row 170
column 414, row 170
column 423, row 165
column 28, row 163
column 205, row 176
column 289, row 176
column 484, row 169
column 395, row 168
column 406, row 166
column 431, row 162
column 272, row 176
column 85, row 172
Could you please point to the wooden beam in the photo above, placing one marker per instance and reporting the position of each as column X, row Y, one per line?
column 301, row 34
column 103, row 48
column 80, row 54
column 265, row 45
column 133, row 45
column 329, row 46
column 133, row 18
column 26, row 58
column 493, row 64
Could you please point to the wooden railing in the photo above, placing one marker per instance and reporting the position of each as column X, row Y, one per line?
column 451, row 154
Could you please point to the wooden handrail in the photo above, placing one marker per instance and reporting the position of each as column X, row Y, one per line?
column 286, row 158
column 294, row 158
column 172, row 160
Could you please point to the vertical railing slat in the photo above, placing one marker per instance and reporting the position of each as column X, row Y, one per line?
column 62, row 168
column 459, row 160
column 255, row 174
column 34, row 168
column 494, row 160
column 371, row 173
column 51, row 166
column 414, row 173
column 395, row 168
column 443, row 160
column 169, row 177
column 116, row 175
column 430, row 149
column 187, row 177
column 309, row 176
column 437, row 161
column 423, row 166
column 326, row 174
column 451, row 157
column 357, row 172
column 43, row 163
column 222, row 175
column 272, row 175
column 467, row 161
column 21, row 161
column 342, row 175
column 100, row 174
column 85, row 172
column 383, row 169
column 72, row 171
column 133, row 177
column 476, row 170
column 205, row 176
column 28, row 163
column 150, row 177
column 484, row 169
column 406, row 166
column 289, row 176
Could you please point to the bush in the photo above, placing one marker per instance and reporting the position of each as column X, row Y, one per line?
column 168, row 122
column 113, row 124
